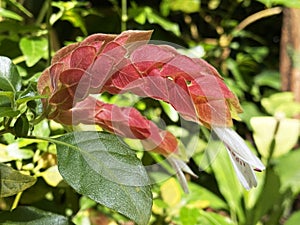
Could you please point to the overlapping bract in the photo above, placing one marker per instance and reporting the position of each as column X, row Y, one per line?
column 127, row 63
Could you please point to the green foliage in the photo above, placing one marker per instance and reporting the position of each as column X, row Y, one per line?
column 13, row 182
column 32, row 216
column 107, row 172
column 83, row 177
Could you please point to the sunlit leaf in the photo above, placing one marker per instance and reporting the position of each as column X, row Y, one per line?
column 282, row 102
column 201, row 197
column 52, row 176
column 294, row 219
column 9, row 14
column 171, row 192
column 264, row 132
column 13, row 152
column 99, row 166
column 211, row 218
column 189, row 216
column 12, row 181
column 33, row 49
column 9, row 76
column 25, row 215
column 170, row 111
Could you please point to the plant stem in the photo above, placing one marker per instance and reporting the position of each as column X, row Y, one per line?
column 49, row 29
column 16, row 201
column 124, row 16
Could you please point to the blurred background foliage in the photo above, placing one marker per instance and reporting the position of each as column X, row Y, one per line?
column 241, row 38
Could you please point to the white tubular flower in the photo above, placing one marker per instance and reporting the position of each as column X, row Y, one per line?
column 243, row 160
column 180, row 166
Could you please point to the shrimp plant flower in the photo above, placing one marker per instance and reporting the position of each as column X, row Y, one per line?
column 129, row 63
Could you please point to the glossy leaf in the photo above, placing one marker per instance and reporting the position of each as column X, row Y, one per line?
column 13, row 182
column 21, row 126
column 99, row 166
column 9, row 76
column 33, row 49
column 25, row 215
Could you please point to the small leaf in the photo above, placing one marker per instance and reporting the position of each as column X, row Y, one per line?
column 25, row 215
column 170, row 111
column 171, row 192
column 186, row 6
column 13, row 152
column 98, row 166
column 21, row 126
column 12, row 181
column 52, row 176
column 9, row 14
column 33, row 49
column 9, row 76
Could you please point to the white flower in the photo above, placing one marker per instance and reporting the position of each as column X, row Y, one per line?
column 243, row 160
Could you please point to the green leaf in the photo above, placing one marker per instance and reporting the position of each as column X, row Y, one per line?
column 141, row 14
column 12, row 181
column 294, row 219
column 21, row 126
column 290, row 3
column 269, row 196
column 9, row 14
column 282, row 102
column 8, row 112
column 9, row 76
column 287, row 168
column 285, row 139
column 186, row 6
column 101, row 167
column 13, row 152
column 234, row 68
column 228, row 183
column 211, row 218
column 26, row 215
column 201, row 196
column 170, row 111
column 189, row 216
column 33, row 49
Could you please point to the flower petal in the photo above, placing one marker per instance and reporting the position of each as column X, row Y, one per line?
column 243, row 171
column 237, row 146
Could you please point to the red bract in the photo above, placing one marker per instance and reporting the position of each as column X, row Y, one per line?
column 127, row 63
column 124, row 63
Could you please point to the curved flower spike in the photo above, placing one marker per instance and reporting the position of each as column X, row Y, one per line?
column 126, row 63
